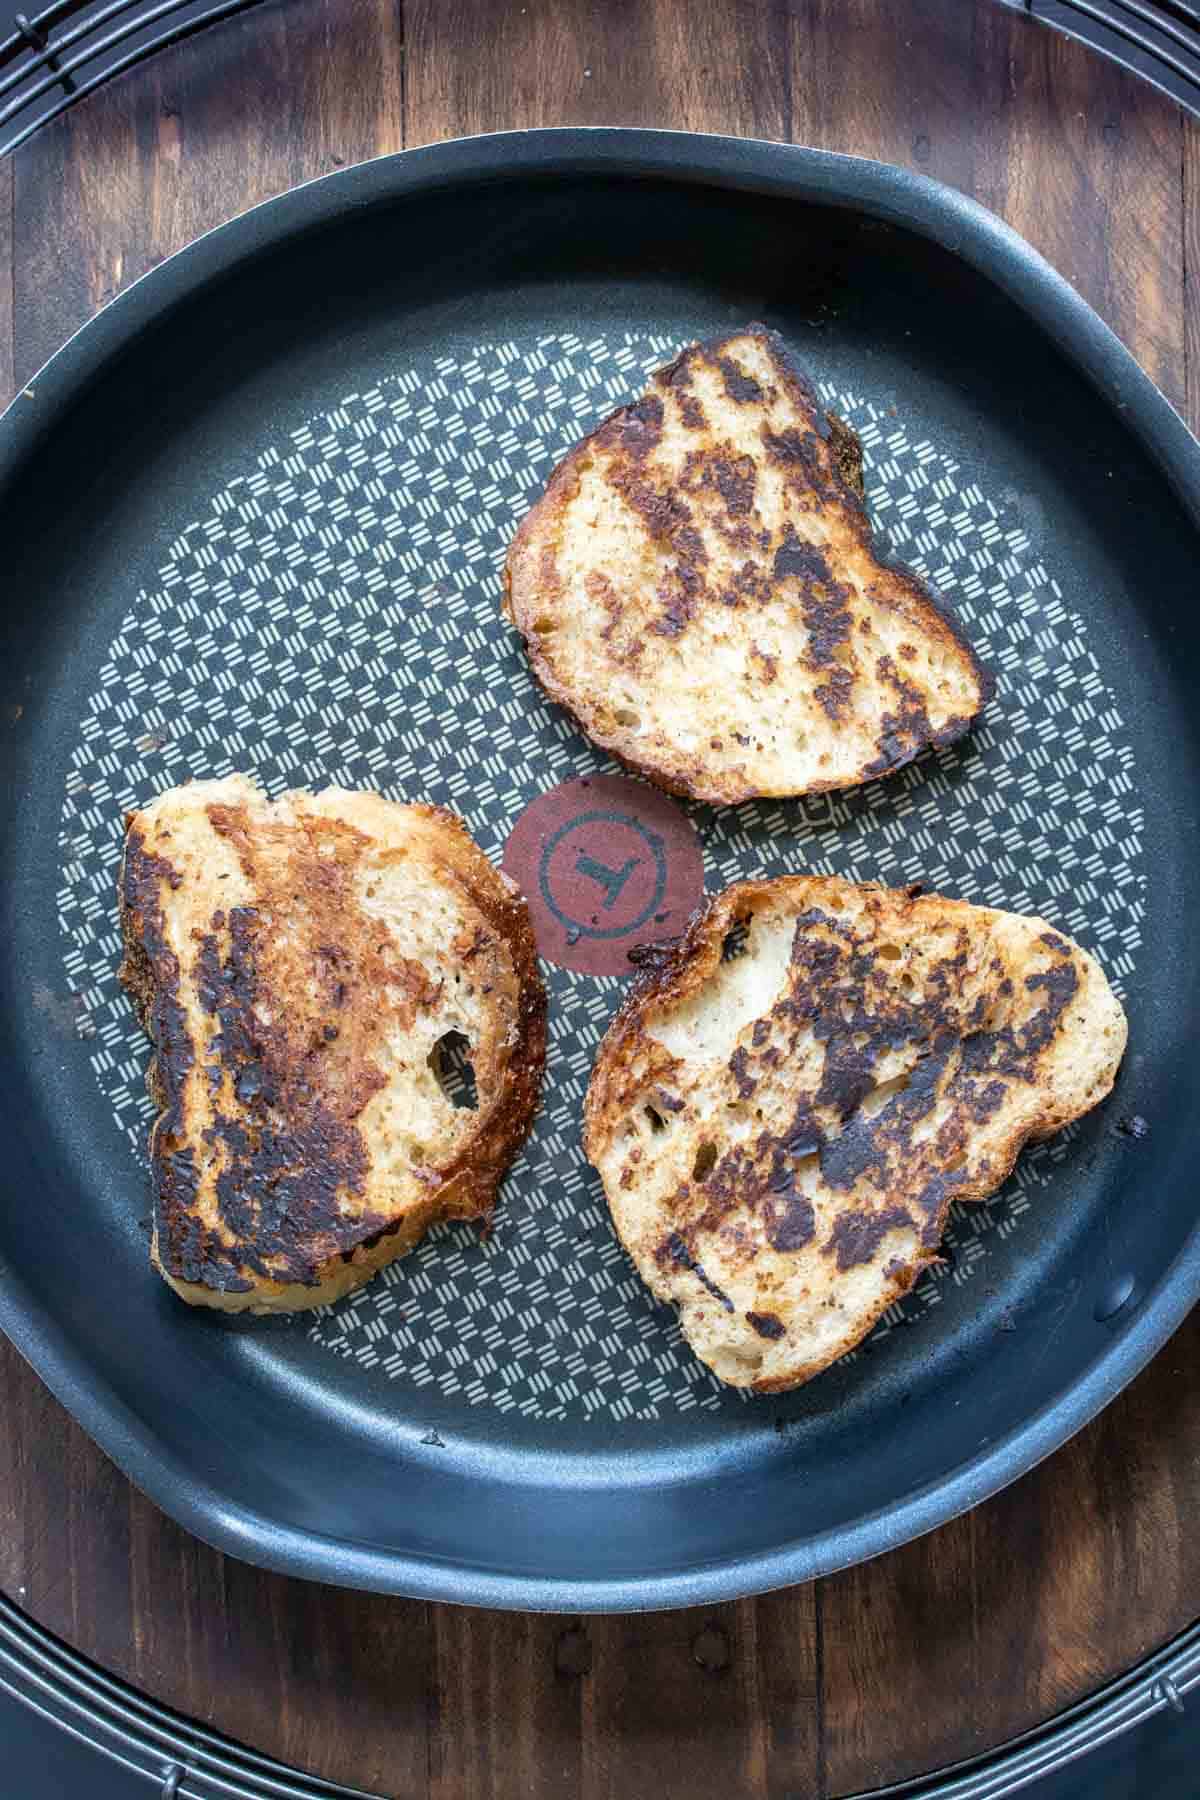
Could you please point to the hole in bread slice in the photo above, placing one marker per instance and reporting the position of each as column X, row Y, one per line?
column 450, row 1060
column 736, row 941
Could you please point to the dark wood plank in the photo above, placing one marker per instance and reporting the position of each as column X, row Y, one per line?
column 720, row 1700
column 289, row 91
column 675, row 1708
column 333, row 1681
column 510, row 1691
column 497, row 65
column 785, row 1640
column 869, row 81
column 64, row 1520
column 1004, row 1617
column 1085, row 161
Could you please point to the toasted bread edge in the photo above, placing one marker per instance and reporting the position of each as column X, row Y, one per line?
column 469, row 1188
column 529, row 562
column 681, row 968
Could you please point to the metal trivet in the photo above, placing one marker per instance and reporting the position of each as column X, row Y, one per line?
column 67, row 50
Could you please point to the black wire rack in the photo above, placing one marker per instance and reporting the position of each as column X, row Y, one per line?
column 157, row 1752
column 57, row 56
column 1157, row 39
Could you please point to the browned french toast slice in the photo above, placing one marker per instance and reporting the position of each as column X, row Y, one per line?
column 699, row 588
column 780, row 1132
column 311, row 972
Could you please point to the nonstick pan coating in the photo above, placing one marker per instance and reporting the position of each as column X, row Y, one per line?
column 252, row 517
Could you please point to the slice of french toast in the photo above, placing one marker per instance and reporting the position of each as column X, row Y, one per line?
column 699, row 588
column 348, row 1029
column 791, row 1098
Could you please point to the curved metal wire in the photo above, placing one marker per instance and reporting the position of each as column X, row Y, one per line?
column 178, row 1759
column 46, row 59
column 35, row 36
column 1156, row 39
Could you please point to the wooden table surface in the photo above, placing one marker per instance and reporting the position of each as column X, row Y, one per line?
column 940, row 1650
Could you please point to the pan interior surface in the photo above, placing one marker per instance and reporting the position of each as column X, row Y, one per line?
column 266, row 534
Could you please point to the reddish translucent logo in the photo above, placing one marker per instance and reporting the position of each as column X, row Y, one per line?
column 605, row 864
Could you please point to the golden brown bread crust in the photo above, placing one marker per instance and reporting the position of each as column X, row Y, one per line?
column 282, row 1020
column 807, row 1137
column 720, row 552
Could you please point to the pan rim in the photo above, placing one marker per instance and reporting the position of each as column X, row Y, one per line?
column 890, row 195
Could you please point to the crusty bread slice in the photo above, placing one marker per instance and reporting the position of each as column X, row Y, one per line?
column 781, row 1131
column 306, row 969
column 698, row 587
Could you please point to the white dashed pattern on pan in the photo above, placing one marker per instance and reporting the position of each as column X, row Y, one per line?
column 332, row 616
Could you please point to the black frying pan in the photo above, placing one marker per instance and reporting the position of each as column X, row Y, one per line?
column 252, row 517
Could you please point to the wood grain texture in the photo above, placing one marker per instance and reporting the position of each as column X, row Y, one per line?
column 590, row 62
column 1063, row 137
column 1031, row 123
column 943, row 1648
column 341, row 1678
column 510, row 1696
column 1015, row 1610
column 278, row 96
column 671, row 1705
column 870, row 81
column 675, row 1707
